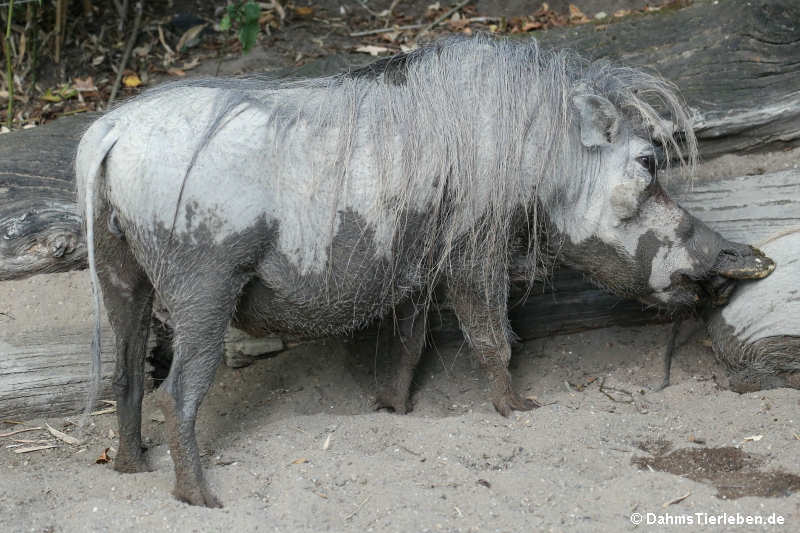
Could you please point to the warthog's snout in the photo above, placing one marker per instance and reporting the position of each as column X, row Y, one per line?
column 743, row 262
column 733, row 261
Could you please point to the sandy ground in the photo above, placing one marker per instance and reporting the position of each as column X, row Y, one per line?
column 453, row 464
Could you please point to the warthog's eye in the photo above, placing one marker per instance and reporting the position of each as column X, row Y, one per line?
column 649, row 162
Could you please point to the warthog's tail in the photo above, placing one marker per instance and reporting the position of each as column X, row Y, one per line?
column 92, row 151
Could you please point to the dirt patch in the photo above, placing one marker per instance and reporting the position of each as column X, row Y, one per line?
column 732, row 471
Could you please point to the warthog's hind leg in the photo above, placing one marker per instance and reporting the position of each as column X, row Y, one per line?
column 128, row 297
column 200, row 318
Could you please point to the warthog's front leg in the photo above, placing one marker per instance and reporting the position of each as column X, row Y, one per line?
column 408, row 341
column 486, row 329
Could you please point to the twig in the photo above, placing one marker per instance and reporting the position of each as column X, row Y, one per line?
column 386, row 30
column 669, row 352
column 10, row 433
column 436, row 22
column 126, row 55
column 35, row 448
column 604, row 390
column 9, row 69
column 57, row 31
column 414, row 27
column 351, row 515
column 391, row 7
column 679, row 499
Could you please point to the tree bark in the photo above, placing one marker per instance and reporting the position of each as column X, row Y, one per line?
column 736, row 62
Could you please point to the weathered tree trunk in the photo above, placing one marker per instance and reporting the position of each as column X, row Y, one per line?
column 40, row 227
column 737, row 63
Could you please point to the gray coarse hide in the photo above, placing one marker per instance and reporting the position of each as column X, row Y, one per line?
column 757, row 335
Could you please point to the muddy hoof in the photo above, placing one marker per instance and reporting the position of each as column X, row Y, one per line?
column 199, row 496
column 131, row 463
column 391, row 400
column 514, row 402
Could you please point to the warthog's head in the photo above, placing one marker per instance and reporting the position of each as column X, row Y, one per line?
column 627, row 234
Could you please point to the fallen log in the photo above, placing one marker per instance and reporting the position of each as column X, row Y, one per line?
column 40, row 227
column 737, row 64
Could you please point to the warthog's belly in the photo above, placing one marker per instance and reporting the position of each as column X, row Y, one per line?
column 310, row 309
column 352, row 290
column 757, row 335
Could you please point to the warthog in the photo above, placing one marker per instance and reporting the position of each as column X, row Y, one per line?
column 315, row 207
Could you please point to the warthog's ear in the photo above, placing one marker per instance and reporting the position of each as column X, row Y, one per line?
column 599, row 119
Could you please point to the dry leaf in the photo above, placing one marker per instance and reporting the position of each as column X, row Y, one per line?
column 131, row 80
column 142, row 51
column 303, row 11
column 174, row 71
column 372, row 49
column 69, row 439
column 576, row 16
column 84, row 85
column 300, row 461
column 188, row 36
column 528, row 26
column 327, row 442
column 97, row 60
column 622, row 13
column 104, row 457
column 390, row 36
column 753, row 438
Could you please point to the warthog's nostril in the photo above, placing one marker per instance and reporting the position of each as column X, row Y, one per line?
column 745, row 262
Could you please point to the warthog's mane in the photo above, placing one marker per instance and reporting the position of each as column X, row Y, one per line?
column 476, row 133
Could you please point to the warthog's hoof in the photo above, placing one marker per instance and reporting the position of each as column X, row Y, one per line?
column 200, row 496
column 512, row 401
column 388, row 398
column 131, row 463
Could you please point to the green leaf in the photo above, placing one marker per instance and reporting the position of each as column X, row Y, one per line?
column 251, row 13
column 247, row 36
column 225, row 23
